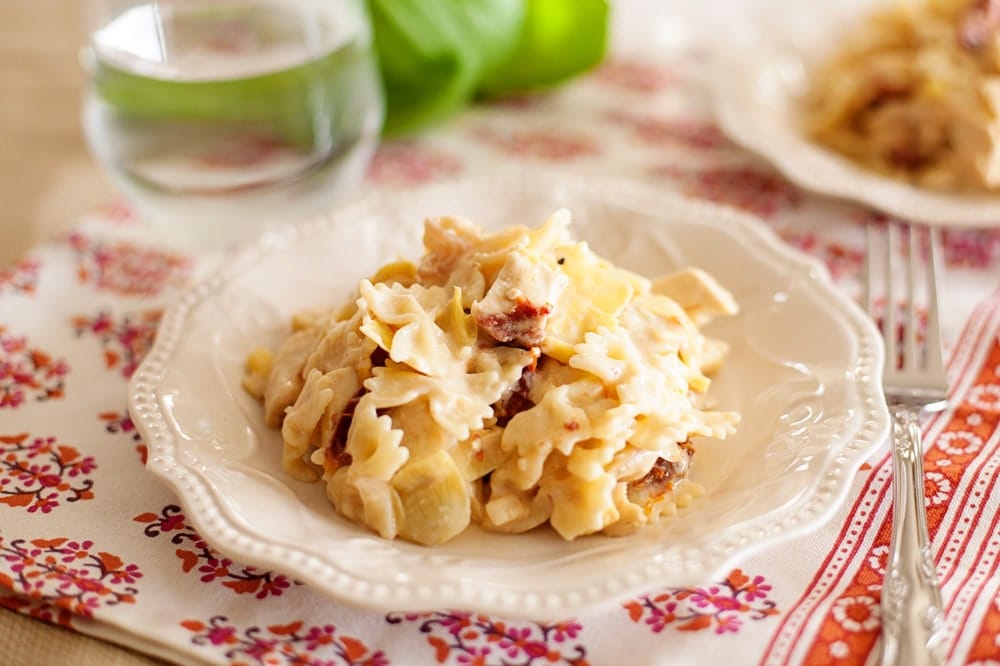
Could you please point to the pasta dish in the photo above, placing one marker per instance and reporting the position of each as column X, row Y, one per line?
column 915, row 95
column 509, row 379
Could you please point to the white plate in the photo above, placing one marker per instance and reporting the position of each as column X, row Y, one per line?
column 760, row 73
column 804, row 371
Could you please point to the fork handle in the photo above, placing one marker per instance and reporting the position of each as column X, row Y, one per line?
column 912, row 615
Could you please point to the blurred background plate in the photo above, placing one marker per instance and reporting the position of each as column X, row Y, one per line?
column 761, row 68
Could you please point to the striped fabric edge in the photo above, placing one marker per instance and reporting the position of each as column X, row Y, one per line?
column 836, row 619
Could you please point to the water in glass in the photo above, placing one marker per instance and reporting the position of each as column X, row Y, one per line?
column 218, row 116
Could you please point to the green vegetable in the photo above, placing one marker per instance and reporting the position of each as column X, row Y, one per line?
column 436, row 55
column 559, row 38
column 433, row 54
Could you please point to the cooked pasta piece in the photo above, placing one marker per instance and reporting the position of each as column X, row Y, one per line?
column 507, row 379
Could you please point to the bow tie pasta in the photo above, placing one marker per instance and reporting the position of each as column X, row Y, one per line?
column 507, row 379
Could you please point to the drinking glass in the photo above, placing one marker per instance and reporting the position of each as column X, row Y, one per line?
column 218, row 117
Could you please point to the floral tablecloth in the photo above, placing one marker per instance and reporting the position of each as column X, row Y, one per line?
column 90, row 541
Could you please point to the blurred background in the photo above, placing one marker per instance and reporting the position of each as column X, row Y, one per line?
column 47, row 177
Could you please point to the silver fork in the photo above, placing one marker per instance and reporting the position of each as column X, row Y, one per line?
column 914, row 381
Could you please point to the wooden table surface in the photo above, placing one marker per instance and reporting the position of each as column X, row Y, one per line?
column 47, row 179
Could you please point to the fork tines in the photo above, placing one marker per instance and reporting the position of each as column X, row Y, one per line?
column 904, row 262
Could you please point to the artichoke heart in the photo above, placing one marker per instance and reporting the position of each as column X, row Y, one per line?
column 434, row 497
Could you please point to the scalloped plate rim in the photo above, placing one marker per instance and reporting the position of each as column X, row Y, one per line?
column 206, row 510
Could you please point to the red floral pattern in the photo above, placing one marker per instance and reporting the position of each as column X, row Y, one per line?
column 121, row 423
column 118, row 211
column 125, row 340
column 760, row 192
column 64, row 574
column 634, row 75
column 125, row 268
column 27, row 371
column 38, row 609
column 971, row 248
column 543, row 144
column 842, row 260
column 690, row 133
column 210, row 565
column 722, row 607
column 21, row 277
column 479, row 640
column 37, row 473
column 975, row 249
column 292, row 643
column 406, row 164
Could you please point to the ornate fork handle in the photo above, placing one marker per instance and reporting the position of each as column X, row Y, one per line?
column 912, row 615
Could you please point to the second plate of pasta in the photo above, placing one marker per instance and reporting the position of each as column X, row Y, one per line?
column 802, row 368
column 875, row 110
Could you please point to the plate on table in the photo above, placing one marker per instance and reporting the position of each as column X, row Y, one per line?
column 804, row 370
column 760, row 74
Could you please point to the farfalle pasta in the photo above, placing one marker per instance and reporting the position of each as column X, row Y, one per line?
column 508, row 379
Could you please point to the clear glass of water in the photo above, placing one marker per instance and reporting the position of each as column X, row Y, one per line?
column 220, row 117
